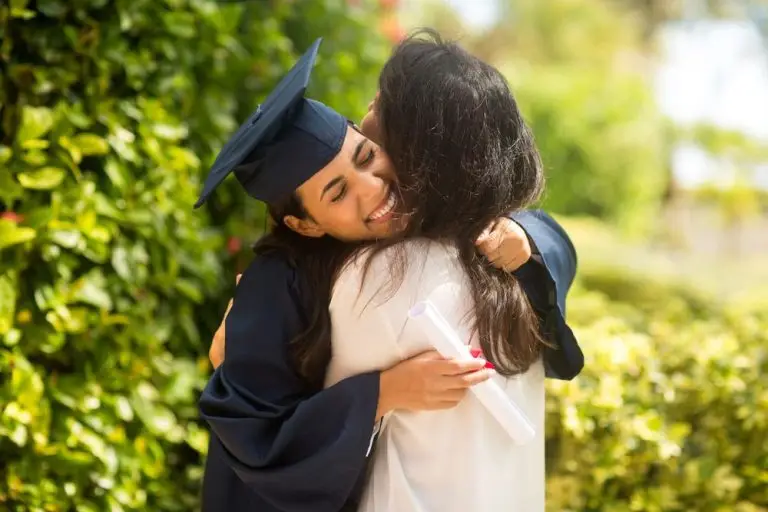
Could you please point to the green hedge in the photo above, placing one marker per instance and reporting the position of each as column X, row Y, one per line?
column 110, row 284
column 671, row 412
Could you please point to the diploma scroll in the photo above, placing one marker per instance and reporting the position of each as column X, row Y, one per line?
column 445, row 340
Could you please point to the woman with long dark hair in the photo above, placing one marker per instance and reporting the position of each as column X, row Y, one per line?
column 278, row 441
column 463, row 160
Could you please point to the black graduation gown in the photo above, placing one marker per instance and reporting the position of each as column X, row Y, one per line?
column 547, row 285
column 275, row 446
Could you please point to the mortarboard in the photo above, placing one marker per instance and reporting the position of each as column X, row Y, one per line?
column 283, row 143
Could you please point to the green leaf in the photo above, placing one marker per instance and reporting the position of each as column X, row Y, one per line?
column 19, row 4
column 91, row 290
column 52, row 8
column 90, row 144
column 121, row 263
column 42, row 179
column 35, row 144
column 197, row 438
column 11, row 234
column 68, row 238
column 5, row 154
column 170, row 132
column 8, row 284
column 189, row 288
column 180, row 24
column 35, row 122
column 123, row 408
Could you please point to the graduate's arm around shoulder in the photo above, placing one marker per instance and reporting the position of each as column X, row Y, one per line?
column 546, row 283
column 297, row 449
column 552, row 243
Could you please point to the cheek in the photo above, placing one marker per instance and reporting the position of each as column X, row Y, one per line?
column 341, row 219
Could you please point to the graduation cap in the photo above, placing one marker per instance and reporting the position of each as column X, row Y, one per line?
column 283, row 143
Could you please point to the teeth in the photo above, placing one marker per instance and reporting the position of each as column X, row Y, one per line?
column 386, row 208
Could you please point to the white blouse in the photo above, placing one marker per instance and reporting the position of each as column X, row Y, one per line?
column 455, row 460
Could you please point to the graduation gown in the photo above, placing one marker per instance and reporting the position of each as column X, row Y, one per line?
column 277, row 446
column 546, row 284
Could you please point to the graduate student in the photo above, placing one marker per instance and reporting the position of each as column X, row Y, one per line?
column 279, row 443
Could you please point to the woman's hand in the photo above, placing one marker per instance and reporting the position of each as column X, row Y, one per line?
column 505, row 244
column 428, row 382
column 216, row 352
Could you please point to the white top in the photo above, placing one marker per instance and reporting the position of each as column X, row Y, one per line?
column 456, row 460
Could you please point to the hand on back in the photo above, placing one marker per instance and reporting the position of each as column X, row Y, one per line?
column 505, row 244
column 428, row 382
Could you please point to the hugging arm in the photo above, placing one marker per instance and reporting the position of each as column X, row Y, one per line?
column 299, row 451
column 547, row 283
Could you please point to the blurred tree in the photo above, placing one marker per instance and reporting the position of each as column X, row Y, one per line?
column 582, row 71
column 583, row 81
column 110, row 284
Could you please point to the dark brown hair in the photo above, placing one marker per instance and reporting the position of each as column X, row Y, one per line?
column 464, row 157
column 317, row 262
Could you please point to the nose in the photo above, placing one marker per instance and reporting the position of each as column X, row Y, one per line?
column 369, row 189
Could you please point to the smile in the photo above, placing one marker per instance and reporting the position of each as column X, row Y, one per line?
column 384, row 212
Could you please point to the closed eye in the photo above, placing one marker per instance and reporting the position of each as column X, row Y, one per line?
column 341, row 193
column 369, row 156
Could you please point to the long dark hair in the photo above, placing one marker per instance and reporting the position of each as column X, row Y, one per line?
column 317, row 262
column 464, row 157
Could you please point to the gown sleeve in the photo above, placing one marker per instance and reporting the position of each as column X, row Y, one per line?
column 297, row 450
column 547, row 285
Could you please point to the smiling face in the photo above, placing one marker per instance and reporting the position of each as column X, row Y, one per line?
column 352, row 198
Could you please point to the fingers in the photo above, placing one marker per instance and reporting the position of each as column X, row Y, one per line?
column 462, row 382
column 490, row 239
column 505, row 245
column 459, row 366
column 470, row 379
column 507, row 264
column 237, row 278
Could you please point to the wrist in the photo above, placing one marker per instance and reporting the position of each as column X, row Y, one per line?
column 386, row 395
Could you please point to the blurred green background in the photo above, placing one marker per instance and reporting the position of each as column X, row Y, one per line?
column 111, row 285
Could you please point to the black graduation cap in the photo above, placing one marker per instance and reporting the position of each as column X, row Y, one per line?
column 283, row 143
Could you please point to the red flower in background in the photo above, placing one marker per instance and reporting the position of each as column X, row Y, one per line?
column 392, row 30
column 234, row 244
column 12, row 216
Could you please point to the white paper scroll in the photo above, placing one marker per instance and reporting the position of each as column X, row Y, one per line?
column 445, row 340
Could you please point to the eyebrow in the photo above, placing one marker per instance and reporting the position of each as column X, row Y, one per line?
column 328, row 186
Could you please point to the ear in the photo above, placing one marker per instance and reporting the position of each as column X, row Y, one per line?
column 304, row 227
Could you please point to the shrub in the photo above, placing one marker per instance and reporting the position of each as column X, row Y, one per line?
column 110, row 283
column 671, row 412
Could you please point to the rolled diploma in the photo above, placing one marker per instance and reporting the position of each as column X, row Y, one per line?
column 445, row 340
